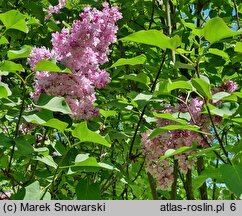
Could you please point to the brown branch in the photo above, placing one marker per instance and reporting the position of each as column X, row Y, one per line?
column 152, row 186
column 174, row 184
column 203, row 188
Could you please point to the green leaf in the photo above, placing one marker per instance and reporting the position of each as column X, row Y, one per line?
column 57, row 124
column 5, row 142
column 16, row 54
column 179, row 85
column 225, row 109
column 3, row 40
column 207, row 173
column 218, row 53
column 160, row 130
column 130, row 61
column 39, row 117
column 23, row 146
column 107, row 113
column 216, row 29
column 4, row 161
column 232, row 177
column 202, row 87
column 55, row 104
column 34, row 192
column 184, row 66
column 172, row 152
column 169, row 117
column 143, row 97
column 86, row 190
column 85, row 135
column 86, row 162
column 51, row 65
column 4, row 90
column 238, row 47
column 48, row 160
column 45, row 118
column 219, row 96
column 10, row 66
column 141, row 77
column 13, row 19
column 154, row 38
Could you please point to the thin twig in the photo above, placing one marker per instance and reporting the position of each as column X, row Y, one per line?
column 17, row 127
column 143, row 111
column 214, row 183
column 140, row 169
column 217, row 134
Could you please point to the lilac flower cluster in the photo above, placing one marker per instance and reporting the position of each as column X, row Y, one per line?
column 154, row 148
column 55, row 9
column 82, row 48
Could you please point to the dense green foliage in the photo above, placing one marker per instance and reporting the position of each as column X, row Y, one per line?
column 166, row 50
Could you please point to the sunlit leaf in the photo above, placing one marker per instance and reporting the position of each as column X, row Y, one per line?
column 16, row 54
column 238, row 47
column 130, row 61
column 216, row 29
column 179, row 85
column 169, row 117
column 219, row 96
column 13, row 19
column 51, row 66
column 10, row 66
column 107, row 113
column 225, row 109
column 48, row 160
column 160, row 130
column 3, row 40
column 141, row 77
column 183, row 65
column 202, row 87
column 85, row 135
column 154, row 38
column 55, row 104
column 4, row 90
column 172, row 152
column 219, row 53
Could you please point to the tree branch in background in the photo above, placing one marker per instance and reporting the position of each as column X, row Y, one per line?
column 203, row 188
column 236, row 13
column 169, row 24
column 174, row 184
column 188, row 185
column 152, row 13
column 152, row 186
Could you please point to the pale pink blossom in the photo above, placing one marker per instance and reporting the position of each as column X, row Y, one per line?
column 83, row 48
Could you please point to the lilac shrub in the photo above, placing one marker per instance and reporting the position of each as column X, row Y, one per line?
column 154, row 148
column 55, row 9
column 81, row 48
